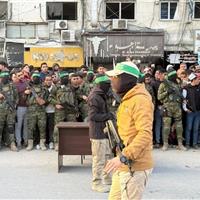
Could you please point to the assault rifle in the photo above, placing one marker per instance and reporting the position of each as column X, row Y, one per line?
column 115, row 141
column 8, row 101
column 173, row 89
column 38, row 99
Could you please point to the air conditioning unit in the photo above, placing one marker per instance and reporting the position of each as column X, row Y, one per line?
column 61, row 24
column 119, row 24
column 68, row 36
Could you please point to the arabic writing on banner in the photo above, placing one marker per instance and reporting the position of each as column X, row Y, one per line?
column 64, row 56
column 124, row 45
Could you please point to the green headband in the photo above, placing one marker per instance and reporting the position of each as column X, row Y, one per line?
column 35, row 75
column 171, row 73
column 142, row 75
column 90, row 72
column 61, row 75
column 101, row 79
column 3, row 74
column 128, row 69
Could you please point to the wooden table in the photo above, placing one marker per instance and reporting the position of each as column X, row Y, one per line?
column 73, row 140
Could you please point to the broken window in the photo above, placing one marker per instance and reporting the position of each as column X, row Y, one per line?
column 168, row 10
column 197, row 10
column 61, row 10
column 120, row 10
column 3, row 10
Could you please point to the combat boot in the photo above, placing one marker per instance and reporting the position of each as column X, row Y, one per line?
column 165, row 146
column 13, row 146
column 180, row 146
column 30, row 145
column 101, row 188
column 42, row 145
column 56, row 146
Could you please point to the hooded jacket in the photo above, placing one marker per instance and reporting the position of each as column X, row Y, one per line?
column 98, row 113
column 134, row 121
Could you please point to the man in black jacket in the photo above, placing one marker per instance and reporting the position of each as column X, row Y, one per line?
column 191, row 106
column 97, row 116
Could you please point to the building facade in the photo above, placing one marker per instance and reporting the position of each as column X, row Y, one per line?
column 99, row 31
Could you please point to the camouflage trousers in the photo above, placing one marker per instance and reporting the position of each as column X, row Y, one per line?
column 101, row 153
column 176, row 114
column 84, row 111
column 36, row 117
column 7, row 121
column 62, row 116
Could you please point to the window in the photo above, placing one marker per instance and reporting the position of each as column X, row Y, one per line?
column 120, row 10
column 62, row 11
column 168, row 10
column 197, row 10
column 3, row 10
column 27, row 31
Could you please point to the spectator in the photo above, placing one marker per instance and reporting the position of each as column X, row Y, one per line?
column 191, row 106
column 50, row 112
column 44, row 71
column 101, row 69
column 56, row 69
column 181, row 69
column 26, row 72
column 159, row 78
column 21, row 86
column 148, row 86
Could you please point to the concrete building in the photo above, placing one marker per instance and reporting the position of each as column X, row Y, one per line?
column 102, row 30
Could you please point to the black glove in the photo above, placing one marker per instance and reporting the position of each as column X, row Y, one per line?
column 111, row 116
column 171, row 90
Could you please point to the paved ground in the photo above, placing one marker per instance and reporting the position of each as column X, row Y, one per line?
column 34, row 175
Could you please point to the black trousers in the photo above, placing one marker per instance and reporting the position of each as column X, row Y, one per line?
column 49, row 127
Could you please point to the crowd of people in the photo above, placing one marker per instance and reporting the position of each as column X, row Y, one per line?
column 34, row 100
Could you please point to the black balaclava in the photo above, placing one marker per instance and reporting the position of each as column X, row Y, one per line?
column 64, row 80
column 5, row 80
column 105, row 86
column 126, row 82
column 36, row 80
column 173, row 78
column 90, row 77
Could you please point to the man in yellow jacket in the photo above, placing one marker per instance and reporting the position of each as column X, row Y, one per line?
column 134, row 123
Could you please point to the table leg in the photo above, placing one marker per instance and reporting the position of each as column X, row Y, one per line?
column 82, row 157
column 60, row 162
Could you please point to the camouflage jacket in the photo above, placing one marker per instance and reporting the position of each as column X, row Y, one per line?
column 11, row 96
column 169, row 93
column 40, row 91
column 149, row 88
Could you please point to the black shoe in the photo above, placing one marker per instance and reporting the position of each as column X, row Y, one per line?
column 187, row 146
column 157, row 146
column 195, row 146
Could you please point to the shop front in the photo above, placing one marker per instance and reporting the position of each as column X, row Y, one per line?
column 66, row 57
column 106, row 47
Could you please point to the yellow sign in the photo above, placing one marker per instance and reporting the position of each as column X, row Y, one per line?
column 64, row 56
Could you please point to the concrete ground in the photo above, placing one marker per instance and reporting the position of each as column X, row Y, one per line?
column 26, row 175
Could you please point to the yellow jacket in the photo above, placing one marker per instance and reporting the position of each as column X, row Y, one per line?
column 134, row 121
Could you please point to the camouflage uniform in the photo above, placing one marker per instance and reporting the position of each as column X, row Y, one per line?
column 149, row 88
column 36, row 114
column 8, row 112
column 63, row 96
column 83, row 107
column 113, row 101
column 172, row 110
